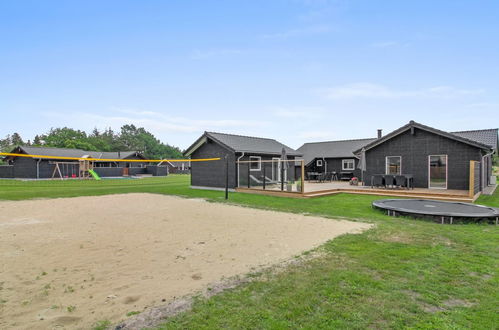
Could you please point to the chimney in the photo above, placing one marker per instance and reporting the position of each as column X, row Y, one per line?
column 380, row 133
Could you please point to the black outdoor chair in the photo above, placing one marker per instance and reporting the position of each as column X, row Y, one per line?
column 377, row 181
column 328, row 177
column 322, row 177
column 401, row 181
column 389, row 180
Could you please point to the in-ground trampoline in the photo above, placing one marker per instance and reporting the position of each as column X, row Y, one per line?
column 437, row 210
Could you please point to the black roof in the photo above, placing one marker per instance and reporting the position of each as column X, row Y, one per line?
column 76, row 153
column 485, row 136
column 241, row 143
column 414, row 124
column 332, row 149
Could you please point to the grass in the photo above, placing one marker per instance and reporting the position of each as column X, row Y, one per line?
column 402, row 274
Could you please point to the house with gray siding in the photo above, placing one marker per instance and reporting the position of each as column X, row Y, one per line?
column 436, row 159
column 237, row 150
column 42, row 168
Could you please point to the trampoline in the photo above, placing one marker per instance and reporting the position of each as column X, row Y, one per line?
column 437, row 210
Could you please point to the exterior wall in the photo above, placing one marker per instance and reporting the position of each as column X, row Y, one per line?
column 333, row 165
column 212, row 173
column 415, row 150
column 6, row 171
column 25, row 168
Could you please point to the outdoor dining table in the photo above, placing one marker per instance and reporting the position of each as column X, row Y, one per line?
column 390, row 180
column 313, row 175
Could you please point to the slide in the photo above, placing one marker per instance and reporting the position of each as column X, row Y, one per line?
column 95, row 175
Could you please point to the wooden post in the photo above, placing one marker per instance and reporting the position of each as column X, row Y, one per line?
column 249, row 165
column 302, row 176
column 226, row 177
column 264, row 177
column 282, row 174
column 472, row 179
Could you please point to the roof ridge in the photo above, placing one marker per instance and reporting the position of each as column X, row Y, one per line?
column 40, row 147
column 476, row 130
column 348, row 140
column 245, row 136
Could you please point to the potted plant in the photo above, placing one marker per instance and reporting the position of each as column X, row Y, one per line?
column 289, row 186
column 354, row 181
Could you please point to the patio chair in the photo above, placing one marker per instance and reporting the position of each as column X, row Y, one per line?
column 328, row 176
column 377, row 181
column 401, row 181
column 389, row 180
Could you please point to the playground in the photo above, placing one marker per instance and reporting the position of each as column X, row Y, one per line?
column 102, row 257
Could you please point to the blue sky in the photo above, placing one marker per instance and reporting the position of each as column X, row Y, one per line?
column 293, row 70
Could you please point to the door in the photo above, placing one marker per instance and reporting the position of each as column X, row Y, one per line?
column 437, row 172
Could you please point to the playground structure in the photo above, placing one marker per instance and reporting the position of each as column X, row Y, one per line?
column 82, row 169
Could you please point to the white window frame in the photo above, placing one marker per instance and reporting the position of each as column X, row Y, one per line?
column 347, row 161
column 386, row 164
column 446, row 171
column 252, row 162
column 318, row 163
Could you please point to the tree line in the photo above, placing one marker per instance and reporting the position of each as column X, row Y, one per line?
column 129, row 138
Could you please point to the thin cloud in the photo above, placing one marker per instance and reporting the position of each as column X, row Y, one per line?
column 302, row 32
column 376, row 91
column 389, row 44
column 158, row 121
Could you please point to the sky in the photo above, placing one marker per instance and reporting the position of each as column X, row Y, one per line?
column 293, row 70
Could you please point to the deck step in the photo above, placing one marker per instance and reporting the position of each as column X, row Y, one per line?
column 393, row 194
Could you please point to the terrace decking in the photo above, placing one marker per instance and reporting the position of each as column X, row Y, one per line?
column 331, row 188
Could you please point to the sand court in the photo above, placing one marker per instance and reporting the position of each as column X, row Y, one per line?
column 70, row 262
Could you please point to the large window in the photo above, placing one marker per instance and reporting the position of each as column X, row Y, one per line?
column 394, row 165
column 437, row 167
column 348, row 164
column 255, row 163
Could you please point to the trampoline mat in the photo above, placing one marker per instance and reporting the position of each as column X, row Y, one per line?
column 431, row 207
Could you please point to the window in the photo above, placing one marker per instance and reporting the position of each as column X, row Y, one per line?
column 348, row 164
column 394, row 165
column 319, row 162
column 255, row 163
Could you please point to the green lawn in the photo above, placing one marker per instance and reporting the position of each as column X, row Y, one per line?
column 402, row 274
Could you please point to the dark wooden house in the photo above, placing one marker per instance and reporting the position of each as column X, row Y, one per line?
column 42, row 168
column 333, row 156
column 436, row 159
column 238, row 150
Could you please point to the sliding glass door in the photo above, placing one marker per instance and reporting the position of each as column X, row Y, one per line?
column 437, row 171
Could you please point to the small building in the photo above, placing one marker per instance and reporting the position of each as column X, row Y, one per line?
column 250, row 160
column 435, row 159
column 43, row 168
column 333, row 157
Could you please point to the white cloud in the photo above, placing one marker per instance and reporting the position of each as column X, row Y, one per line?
column 484, row 105
column 311, row 30
column 376, row 91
